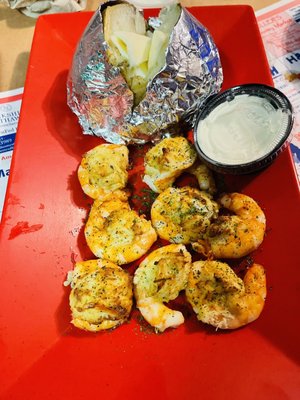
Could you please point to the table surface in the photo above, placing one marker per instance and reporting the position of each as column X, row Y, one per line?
column 17, row 30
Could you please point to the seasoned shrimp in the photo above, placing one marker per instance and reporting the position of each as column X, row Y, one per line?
column 166, row 161
column 182, row 215
column 220, row 298
column 204, row 177
column 101, row 295
column 103, row 169
column 235, row 236
column 159, row 279
column 117, row 233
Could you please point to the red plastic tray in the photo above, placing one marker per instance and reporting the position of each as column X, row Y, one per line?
column 41, row 355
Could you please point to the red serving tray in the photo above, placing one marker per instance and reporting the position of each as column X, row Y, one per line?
column 42, row 355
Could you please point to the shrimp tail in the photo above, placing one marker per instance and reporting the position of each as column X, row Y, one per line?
column 158, row 315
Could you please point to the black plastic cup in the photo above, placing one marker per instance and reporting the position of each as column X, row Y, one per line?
column 276, row 99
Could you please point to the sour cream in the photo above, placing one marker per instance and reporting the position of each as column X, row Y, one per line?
column 242, row 129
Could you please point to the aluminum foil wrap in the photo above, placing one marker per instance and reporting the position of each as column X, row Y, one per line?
column 100, row 97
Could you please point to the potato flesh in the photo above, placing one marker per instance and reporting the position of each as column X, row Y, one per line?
column 139, row 54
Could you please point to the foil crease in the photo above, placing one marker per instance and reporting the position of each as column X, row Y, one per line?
column 99, row 95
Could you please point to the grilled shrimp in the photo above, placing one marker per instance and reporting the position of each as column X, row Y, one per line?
column 182, row 215
column 166, row 161
column 220, row 298
column 158, row 279
column 115, row 232
column 235, row 236
column 103, row 169
column 101, row 295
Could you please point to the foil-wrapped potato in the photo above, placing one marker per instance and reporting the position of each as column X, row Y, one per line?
column 134, row 80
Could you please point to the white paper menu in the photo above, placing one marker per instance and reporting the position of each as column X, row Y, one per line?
column 10, row 103
column 279, row 25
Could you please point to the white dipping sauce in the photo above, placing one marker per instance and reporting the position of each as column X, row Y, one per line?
column 240, row 130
